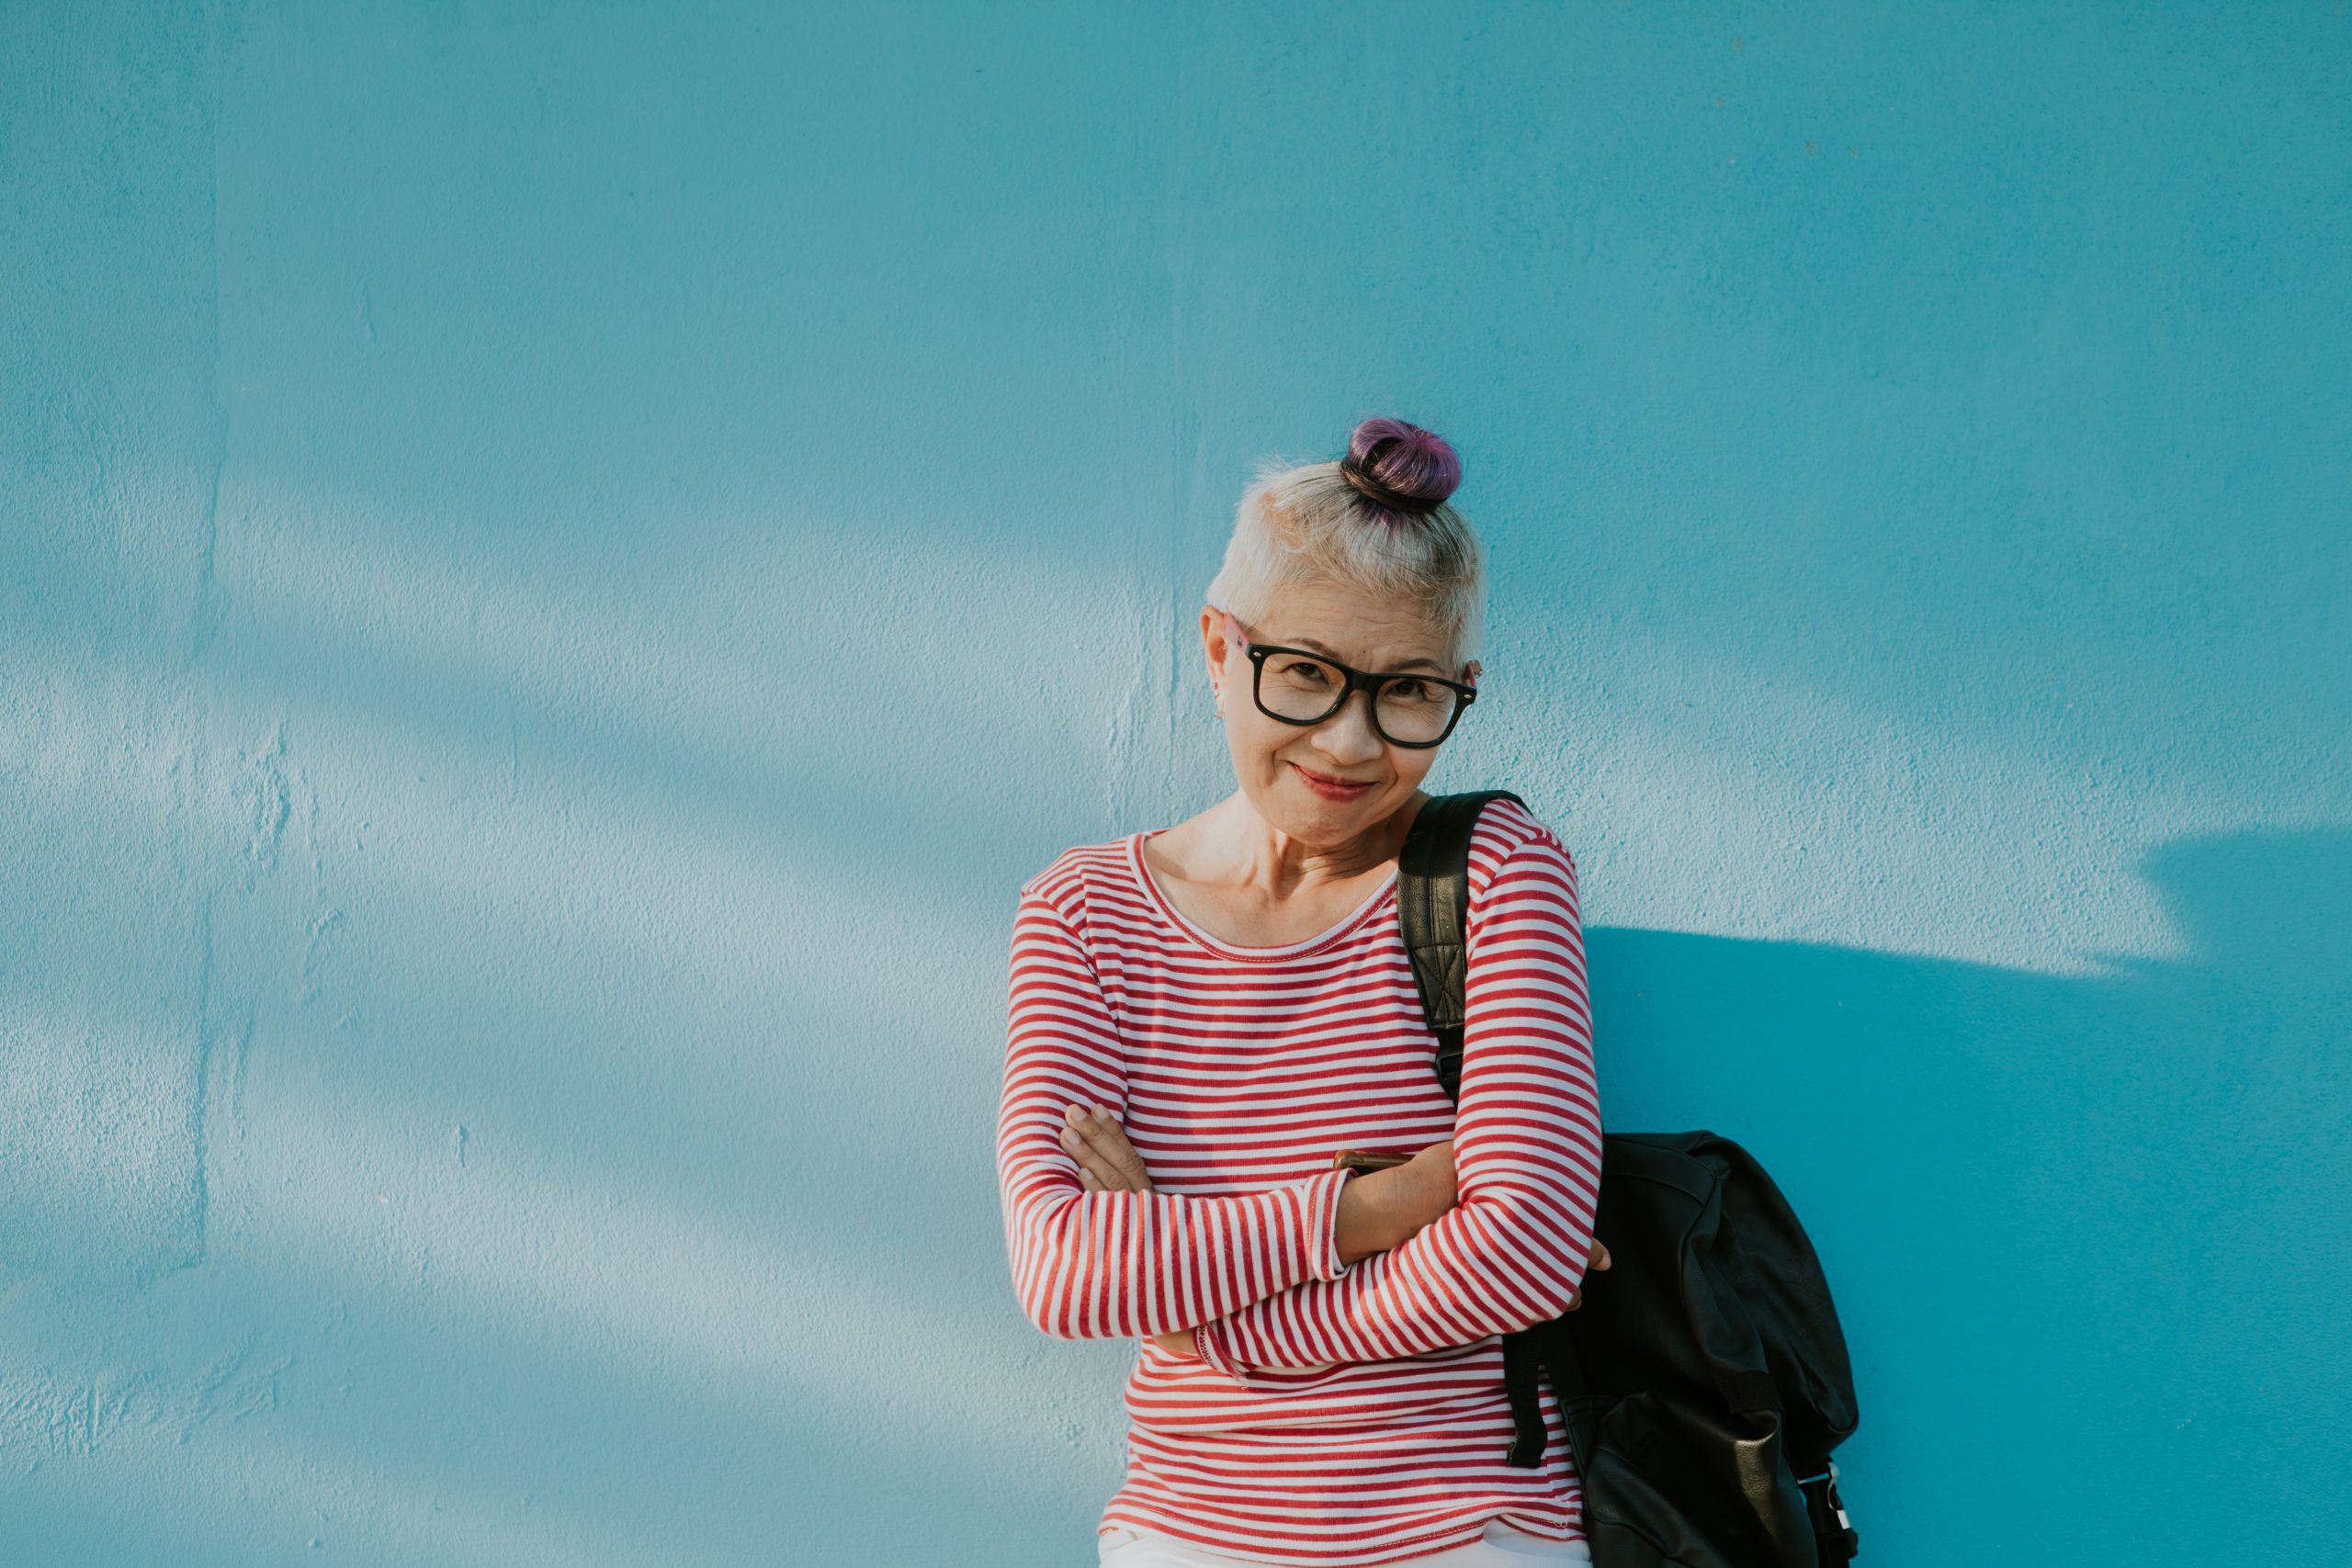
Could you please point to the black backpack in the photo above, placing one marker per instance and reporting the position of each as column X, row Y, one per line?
column 1704, row 1378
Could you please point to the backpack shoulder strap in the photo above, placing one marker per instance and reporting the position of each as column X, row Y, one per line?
column 1433, row 908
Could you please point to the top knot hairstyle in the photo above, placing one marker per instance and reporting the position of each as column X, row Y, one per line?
column 1376, row 519
column 1400, row 467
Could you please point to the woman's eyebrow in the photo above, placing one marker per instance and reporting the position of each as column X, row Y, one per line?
column 1309, row 642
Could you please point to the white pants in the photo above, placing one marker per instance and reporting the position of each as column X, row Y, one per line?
column 1503, row 1547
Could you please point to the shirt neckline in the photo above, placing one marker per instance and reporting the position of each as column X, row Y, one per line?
column 1349, row 922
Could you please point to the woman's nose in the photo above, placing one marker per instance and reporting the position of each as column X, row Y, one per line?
column 1348, row 735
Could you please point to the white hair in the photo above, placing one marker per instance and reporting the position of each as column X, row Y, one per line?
column 1307, row 526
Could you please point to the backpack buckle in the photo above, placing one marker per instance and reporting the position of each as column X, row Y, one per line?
column 1833, row 1532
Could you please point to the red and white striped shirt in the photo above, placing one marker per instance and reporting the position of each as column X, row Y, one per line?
column 1337, row 1415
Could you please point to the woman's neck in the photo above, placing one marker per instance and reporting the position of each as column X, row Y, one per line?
column 1238, row 848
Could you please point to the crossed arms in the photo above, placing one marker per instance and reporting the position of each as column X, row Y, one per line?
column 1309, row 1274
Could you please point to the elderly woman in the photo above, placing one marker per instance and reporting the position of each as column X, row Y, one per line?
column 1202, row 1015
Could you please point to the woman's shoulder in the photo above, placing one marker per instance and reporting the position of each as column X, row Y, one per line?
column 1066, row 881
column 1506, row 822
column 1509, row 833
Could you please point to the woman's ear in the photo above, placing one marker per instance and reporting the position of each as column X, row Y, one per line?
column 1213, row 647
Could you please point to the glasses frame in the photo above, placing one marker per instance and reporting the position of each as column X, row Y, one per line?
column 1369, row 682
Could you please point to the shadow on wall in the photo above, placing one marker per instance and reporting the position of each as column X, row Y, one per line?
column 2098, row 1221
column 2029, row 1190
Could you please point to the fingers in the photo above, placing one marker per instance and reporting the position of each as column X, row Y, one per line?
column 1093, row 1139
column 1599, row 1261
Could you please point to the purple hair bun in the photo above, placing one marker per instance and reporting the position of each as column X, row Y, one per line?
column 1400, row 466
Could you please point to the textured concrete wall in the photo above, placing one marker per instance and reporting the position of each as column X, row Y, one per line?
column 558, row 564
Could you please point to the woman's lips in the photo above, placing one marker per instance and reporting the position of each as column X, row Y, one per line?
column 1331, row 788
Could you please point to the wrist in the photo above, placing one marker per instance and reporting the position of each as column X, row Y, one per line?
column 1372, row 1213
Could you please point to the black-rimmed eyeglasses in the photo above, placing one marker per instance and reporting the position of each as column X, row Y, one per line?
column 1300, row 686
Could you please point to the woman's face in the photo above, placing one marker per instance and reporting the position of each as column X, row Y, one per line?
column 1292, row 774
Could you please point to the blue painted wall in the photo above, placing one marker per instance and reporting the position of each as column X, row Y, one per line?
column 558, row 564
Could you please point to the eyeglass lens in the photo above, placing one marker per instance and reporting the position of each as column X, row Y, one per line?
column 1295, row 687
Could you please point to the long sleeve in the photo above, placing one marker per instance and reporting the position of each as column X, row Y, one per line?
column 1526, row 1153
column 1122, row 1265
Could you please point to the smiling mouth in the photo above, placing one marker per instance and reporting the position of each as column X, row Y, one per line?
column 1328, row 782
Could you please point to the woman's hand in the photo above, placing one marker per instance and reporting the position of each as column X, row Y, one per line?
column 1106, row 1161
column 1595, row 1260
